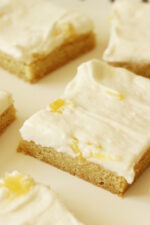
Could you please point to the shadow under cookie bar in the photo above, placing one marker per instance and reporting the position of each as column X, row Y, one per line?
column 88, row 171
column 43, row 65
column 7, row 117
column 140, row 69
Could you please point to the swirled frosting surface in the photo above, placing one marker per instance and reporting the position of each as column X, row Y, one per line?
column 103, row 117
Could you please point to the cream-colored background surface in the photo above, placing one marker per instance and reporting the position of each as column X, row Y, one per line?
column 90, row 204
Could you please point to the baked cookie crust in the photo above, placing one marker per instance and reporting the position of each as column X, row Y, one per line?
column 88, row 171
column 44, row 64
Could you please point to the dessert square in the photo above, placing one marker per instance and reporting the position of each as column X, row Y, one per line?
column 7, row 110
column 129, row 44
column 37, row 37
column 24, row 201
column 98, row 130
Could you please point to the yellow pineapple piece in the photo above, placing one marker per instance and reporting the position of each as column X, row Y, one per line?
column 17, row 185
column 103, row 157
column 100, row 156
column 76, row 150
column 115, row 94
column 75, row 146
column 57, row 105
column 98, row 146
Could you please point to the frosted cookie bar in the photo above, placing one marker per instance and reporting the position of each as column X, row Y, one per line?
column 23, row 201
column 7, row 110
column 129, row 44
column 98, row 130
column 37, row 37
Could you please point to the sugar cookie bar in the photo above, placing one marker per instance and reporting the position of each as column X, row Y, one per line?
column 7, row 110
column 37, row 37
column 129, row 44
column 98, row 130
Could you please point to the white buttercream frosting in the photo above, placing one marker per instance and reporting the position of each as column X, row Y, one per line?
column 103, row 117
column 129, row 34
column 5, row 101
column 30, row 29
column 24, row 202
